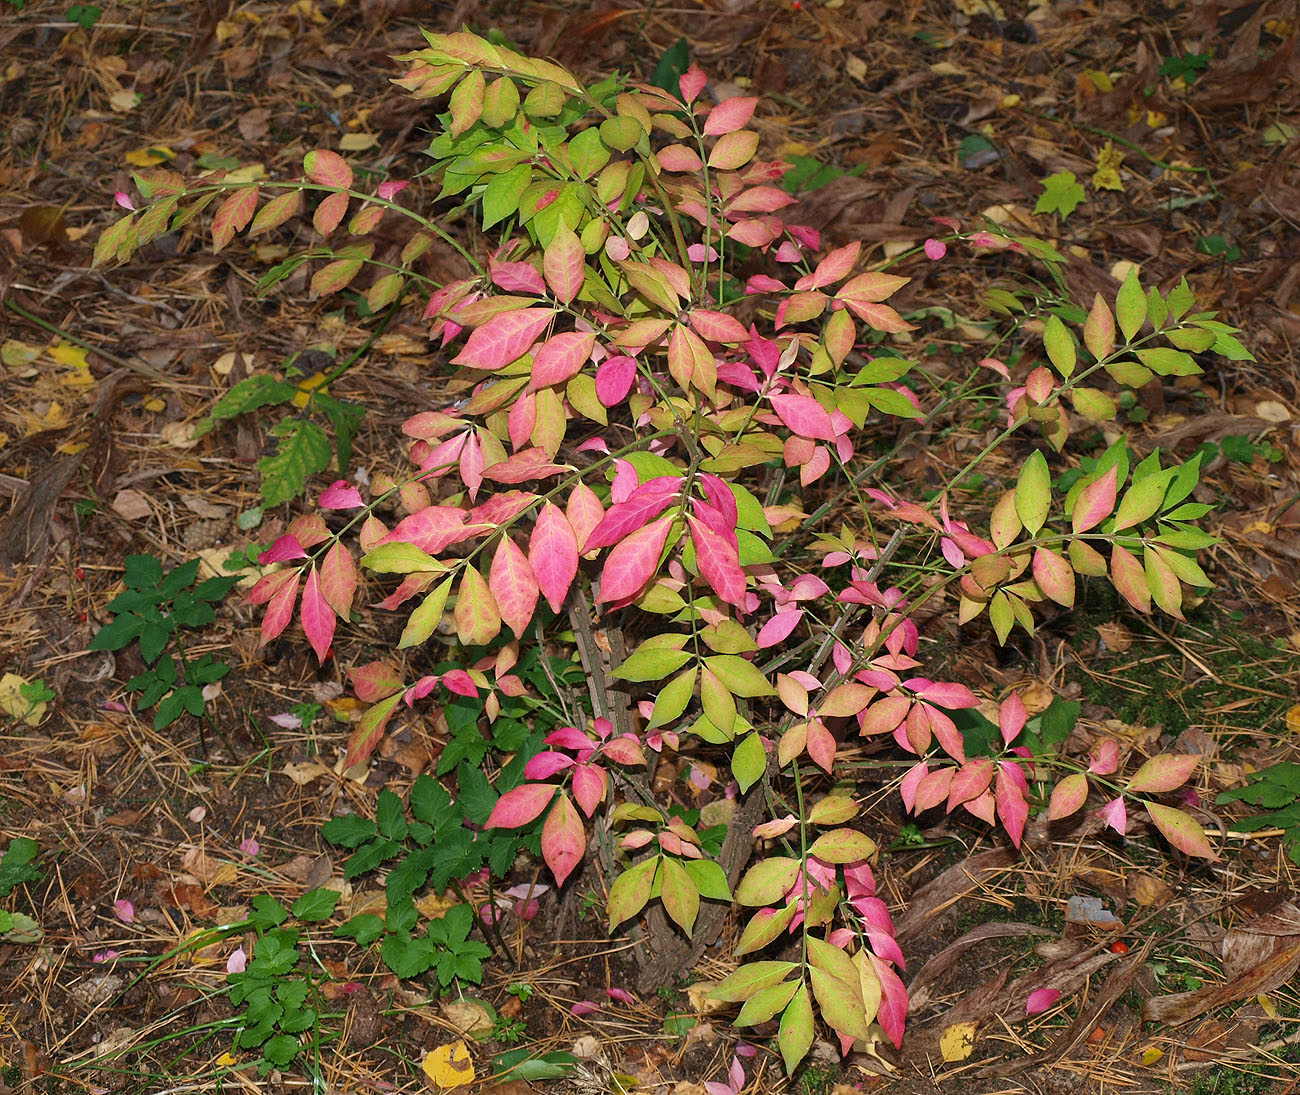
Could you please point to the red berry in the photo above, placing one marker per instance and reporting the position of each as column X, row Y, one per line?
column 79, row 574
column 1119, row 947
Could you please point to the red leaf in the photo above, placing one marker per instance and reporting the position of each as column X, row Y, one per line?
column 1096, row 500
column 778, row 628
column 614, row 379
column 564, row 839
column 268, row 586
column 327, row 168
column 1012, row 807
column 338, row 579
column 317, row 616
column 1181, row 830
column 328, row 214
column 233, row 216
column 589, row 783
column 729, row 115
column 644, row 504
column 1164, row 772
column 375, row 681
column 279, row 610
column 584, row 512
column 633, row 562
column 560, row 358
column 520, row 806
column 553, row 553
column 504, row 339
column 805, row 416
column 717, row 326
column 832, row 268
column 430, row 529
column 513, row 584
column 564, row 264
column 719, row 563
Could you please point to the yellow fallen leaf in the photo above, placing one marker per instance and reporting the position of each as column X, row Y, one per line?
column 957, row 1042
column 435, row 905
column 1150, row 1055
column 123, row 101
column 449, row 1066
column 225, row 1060
column 155, row 404
column 246, row 174
column 357, row 142
column 17, row 706
column 468, row 1016
column 1293, row 717
column 1106, row 177
column 150, row 155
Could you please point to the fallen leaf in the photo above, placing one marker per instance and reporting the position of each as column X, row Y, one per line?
column 132, row 505
column 124, row 100
column 17, row 706
column 467, row 1016
column 150, row 156
column 449, row 1066
column 957, row 1042
column 357, row 142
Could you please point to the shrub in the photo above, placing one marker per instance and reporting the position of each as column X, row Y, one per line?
column 669, row 407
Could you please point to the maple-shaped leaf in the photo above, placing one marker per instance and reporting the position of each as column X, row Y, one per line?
column 1106, row 177
column 1061, row 194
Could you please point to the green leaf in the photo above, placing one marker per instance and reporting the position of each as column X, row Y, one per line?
column 317, row 904
column 767, row 881
column 1062, row 194
column 709, row 878
column 752, row 977
column 652, row 664
column 390, row 815
column 267, row 913
column 741, row 677
column 259, row 390
column 1130, row 306
column 796, row 1033
column 303, row 451
column 748, row 761
column 348, row 831
column 1059, row 344
column 346, row 419
column 1034, row 492
column 501, row 195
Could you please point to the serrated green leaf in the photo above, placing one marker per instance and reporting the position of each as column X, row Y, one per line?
column 303, row 451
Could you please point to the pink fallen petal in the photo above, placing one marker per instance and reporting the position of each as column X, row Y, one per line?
column 197, row 814
column 114, row 705
column 744, row 1049
column 699, row 778
column 105, row 956
column 124, row 909
column 528, row 910
column 287, row 720
column 584, row 1007
column 1041, row 1000
column 935, row 250
column 249, row 847
column 621, row 995
column 237, row 962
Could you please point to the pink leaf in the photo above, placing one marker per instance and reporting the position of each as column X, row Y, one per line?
column 1115, row 814
column 718, row 562
column 375, row 681
column 633, row 562
column 560, row 358
column 838, row 264
column 564, row 264
column 284, row 549
column 1164, row 772
column 338, row 579
column 614, row 379
column 805, row 416
column 553, row 554
column 1105, row 758
column 624, row 517
column 892, row 1015
column 564, row 839
column 1041, row 1000
column 585, row 512
column 624, row 749
column 513, row 584
column 728, row 115
column 935, row 249
column 317, row 616
column 1096, row 500
column 327, row 168
column 778, row 628
column 279, row 610
column 1011, row 717
column 691, row 83
column 677, row 157
column 1181, row 830
column 517, row 277
column 430, row 529
column 520, row 806
column 545, row 764
column 717, row 326
column 124, row 909
column 1068, row 796
column 589, row 784
column 504, row 339
column 340, row 495
column 1013, row 810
